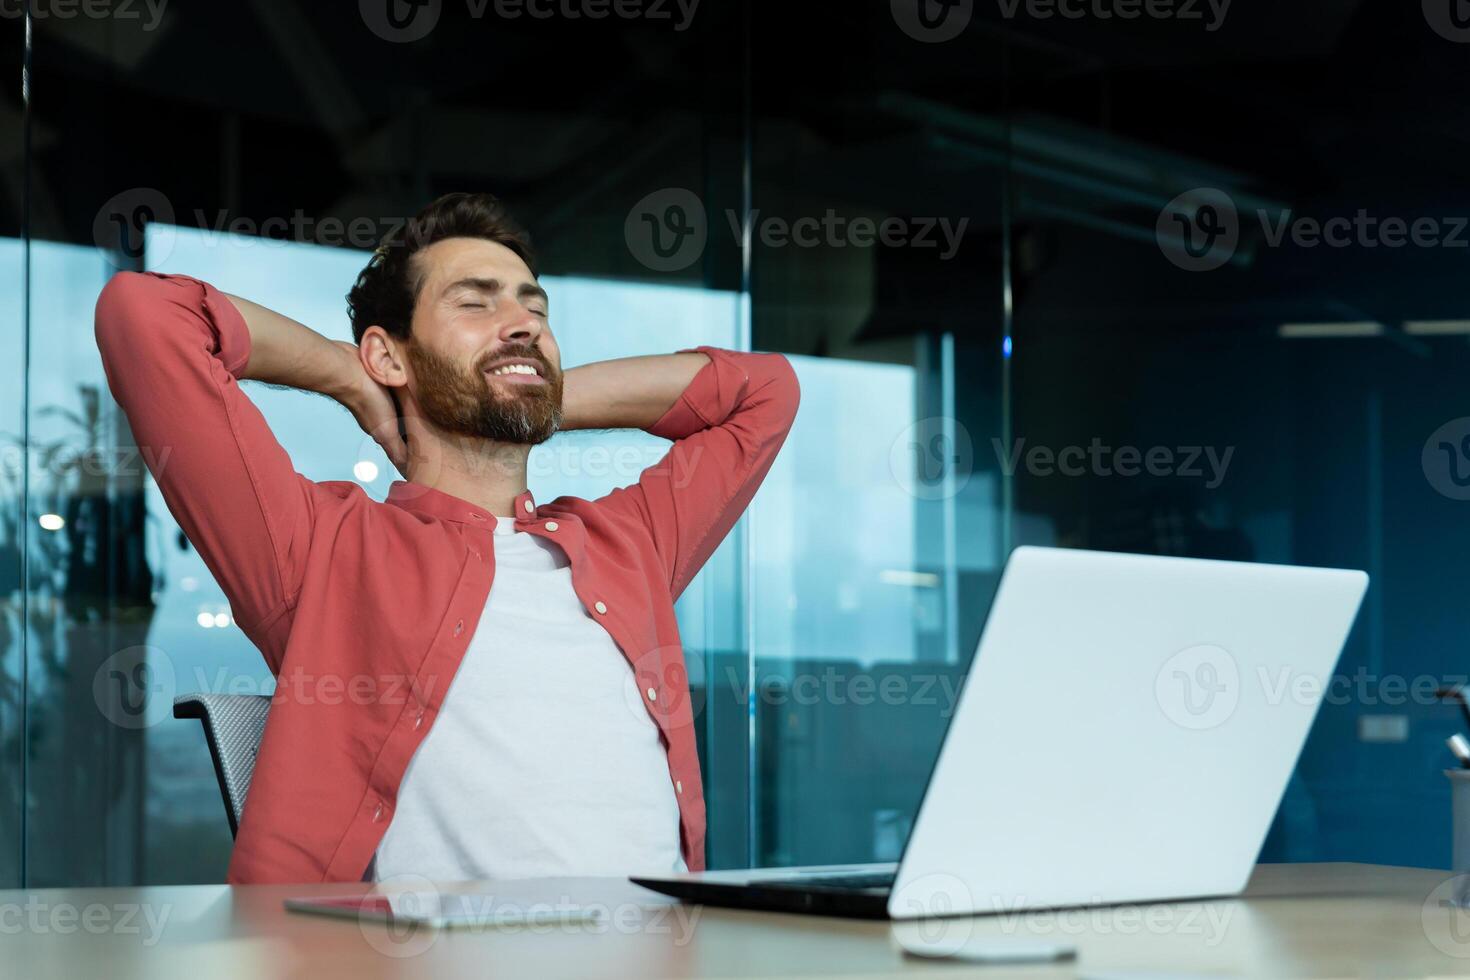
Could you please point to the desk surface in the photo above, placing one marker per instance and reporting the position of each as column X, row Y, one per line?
column 1311, row 920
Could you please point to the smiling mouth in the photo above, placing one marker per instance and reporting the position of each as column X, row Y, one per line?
column 517, row 374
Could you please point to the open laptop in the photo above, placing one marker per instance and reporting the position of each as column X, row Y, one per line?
column 1125, row 734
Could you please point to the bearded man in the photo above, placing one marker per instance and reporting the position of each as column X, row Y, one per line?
column 508, row 695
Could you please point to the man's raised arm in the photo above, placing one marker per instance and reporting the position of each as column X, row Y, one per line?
column 728, row 414
column 174, row 349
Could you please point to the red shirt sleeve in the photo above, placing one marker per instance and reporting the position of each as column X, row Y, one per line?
column 174, row 348
column 727, row 428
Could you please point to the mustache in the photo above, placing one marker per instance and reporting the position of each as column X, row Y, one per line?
column 517, row 350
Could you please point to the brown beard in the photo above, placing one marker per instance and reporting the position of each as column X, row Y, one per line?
column 465, row 403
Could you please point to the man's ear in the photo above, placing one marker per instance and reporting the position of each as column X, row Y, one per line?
column 383, row 357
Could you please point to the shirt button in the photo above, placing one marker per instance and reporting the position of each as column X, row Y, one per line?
column 459, row 627
column 378, row 813
column 418, row 721
column 478, row 517
column 652, row 694
column 678, row 787
column 551, row 525
column 600, row 606
column 529, row 506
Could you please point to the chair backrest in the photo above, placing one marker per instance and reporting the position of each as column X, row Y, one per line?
column 233, row 724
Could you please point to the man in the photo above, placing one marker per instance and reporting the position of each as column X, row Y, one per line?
column 565, row 743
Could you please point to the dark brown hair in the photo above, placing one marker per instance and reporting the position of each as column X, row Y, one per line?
column 387, row 289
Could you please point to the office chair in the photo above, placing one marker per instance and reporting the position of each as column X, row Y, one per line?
column 233, row 724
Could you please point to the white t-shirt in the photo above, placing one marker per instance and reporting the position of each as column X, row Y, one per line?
column 543, row 760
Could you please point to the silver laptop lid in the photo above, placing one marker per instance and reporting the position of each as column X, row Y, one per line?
column 1125, row 733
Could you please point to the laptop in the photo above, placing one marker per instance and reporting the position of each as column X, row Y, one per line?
column 1125, row 734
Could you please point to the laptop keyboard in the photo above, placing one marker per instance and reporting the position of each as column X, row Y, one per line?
column 849, row 881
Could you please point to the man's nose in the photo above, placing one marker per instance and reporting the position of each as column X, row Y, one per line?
column 521, row 325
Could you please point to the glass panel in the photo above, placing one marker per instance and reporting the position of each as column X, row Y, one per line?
column 301, row 136
column 1226, row 318
column 14, row 158
column 876, row 543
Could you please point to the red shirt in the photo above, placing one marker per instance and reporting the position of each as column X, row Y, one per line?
column 363, row 609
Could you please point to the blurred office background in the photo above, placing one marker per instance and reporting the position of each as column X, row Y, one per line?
column 1010, row 253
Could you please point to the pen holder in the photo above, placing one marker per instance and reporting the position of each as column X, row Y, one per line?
column 1460, row 816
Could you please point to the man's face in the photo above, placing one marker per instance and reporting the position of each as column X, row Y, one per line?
column 482, row 361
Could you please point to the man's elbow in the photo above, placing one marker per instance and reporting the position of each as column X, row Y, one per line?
column 784, row 387
column 120, row 307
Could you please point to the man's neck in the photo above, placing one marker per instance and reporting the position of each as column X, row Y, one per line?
column 483, row 472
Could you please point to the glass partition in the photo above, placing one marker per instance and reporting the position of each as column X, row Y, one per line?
column 1238, row 253
column 266, row 149
column 875, row 244
column 14, row 461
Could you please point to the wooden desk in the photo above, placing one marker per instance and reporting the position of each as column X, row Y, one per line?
column 1315, row 920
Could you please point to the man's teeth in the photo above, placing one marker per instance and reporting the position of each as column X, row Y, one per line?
column 515, row 369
